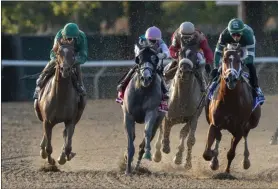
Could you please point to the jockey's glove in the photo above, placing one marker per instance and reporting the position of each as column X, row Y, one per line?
column 161, row 55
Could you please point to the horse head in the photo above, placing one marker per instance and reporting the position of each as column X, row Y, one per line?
column 187, row 62
column 147, row 60
column 231, row 67
column 66, row 58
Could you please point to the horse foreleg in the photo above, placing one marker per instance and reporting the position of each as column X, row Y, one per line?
column 166, row 134
column 150, row 121
column 43, row 145
column 274, row 138
column 157, row 155
column 214, row 164
column 208, row 153
column 246, row 161
column 190, row 143
column 183, row 134
column 232, row 152
column 130, row 130
column 62, row 158
column 48, row 132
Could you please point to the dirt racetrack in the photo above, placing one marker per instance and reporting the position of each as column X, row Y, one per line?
column 100, row 141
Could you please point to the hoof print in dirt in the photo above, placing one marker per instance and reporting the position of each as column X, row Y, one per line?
column 49, row 168
column 224, row 176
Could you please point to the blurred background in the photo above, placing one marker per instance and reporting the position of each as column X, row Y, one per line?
column 112, row 27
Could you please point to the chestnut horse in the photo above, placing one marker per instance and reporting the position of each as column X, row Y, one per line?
column 231, row 107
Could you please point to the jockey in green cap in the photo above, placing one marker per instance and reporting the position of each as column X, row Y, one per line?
column 238, row 33
column 68, row 33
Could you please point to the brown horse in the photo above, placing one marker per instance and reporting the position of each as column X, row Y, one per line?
column 60, row 102
column 231, row 108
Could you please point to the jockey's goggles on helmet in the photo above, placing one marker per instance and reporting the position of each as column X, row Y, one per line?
column 236, row 34
column 70, row 39
column 187, row 37
column 152, row 41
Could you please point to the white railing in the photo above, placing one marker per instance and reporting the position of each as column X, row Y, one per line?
column 107, row 63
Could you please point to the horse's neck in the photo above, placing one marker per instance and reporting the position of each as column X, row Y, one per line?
column 61, row 85
column 185, row 91
column 232, row 96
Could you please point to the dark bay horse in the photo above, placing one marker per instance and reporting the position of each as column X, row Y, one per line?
column 232, row 108
column 140, row 105
column 185, row 96
column 60, row 102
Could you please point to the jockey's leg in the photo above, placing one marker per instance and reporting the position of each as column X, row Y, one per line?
column 79, row 82
column 44, row 76
column 121, row 87
column 254, row 82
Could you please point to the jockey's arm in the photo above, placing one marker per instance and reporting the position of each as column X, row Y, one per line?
column 250, row 47
column 165, row 49
column 207, row 51
column 219, row 50
column 175, row 45
column 82, row 56
column 54, row 48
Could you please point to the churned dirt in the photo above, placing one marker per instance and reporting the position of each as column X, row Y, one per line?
column 99, row 142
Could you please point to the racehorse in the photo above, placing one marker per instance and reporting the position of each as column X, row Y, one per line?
column 59, row 102
column 231, row 107
column 140, row 105
column 184, row 106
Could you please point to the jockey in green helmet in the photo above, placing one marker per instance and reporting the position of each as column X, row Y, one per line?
column 238, row 33
column 69, row 33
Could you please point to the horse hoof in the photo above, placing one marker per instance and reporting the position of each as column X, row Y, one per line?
column 214, row 164
column 62, row 159
column 70, row 156
column 157, row 156
column 51, row 161
column 177, row 160
column 43, row 154
column 188, row 166
column 273, row 141
column 207, row 155
column 148, row 156
column 246, row 164
column 127, row 174
column 166, row 150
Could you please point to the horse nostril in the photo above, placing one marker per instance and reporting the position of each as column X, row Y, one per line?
column 227, row 79
column 149, row 78
column 142, row 78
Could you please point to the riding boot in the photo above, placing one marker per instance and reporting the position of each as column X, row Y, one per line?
column 79, row 82
column 256, row 92
column 44, row 76
column 121, row 87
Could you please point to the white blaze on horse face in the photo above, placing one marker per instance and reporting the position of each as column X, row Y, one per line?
column 231, row 69
column 66, row 50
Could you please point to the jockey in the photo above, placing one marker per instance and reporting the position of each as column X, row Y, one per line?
column 68, row 33
column 151, row 38
column 238, row 33
column 187, row 36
